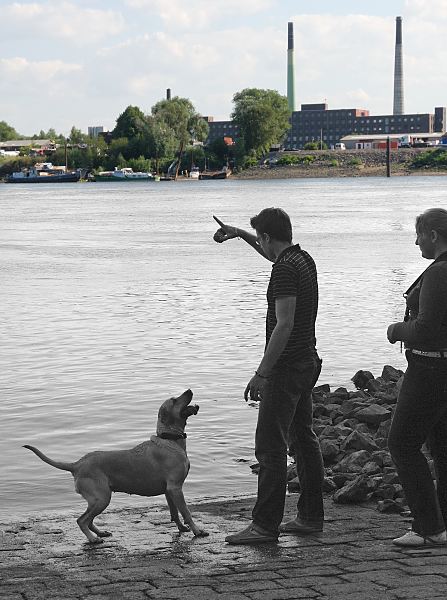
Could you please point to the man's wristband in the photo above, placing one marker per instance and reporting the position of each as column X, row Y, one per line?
column 261, row 376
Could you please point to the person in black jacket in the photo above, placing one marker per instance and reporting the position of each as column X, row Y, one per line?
column 421, row 412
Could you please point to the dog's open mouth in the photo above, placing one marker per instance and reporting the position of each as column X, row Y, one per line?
column 192, row 409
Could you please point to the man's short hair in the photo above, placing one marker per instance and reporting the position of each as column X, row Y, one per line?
column 433, row 219
column 275, row 222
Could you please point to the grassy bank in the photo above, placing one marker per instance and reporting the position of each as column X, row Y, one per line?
column 347, row 163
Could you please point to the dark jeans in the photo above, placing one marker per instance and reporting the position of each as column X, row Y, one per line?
column 421, row 417
column 285, row 415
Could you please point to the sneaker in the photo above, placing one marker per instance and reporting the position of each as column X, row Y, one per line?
column 298, row 526
column 415, row 540
column 253, row 534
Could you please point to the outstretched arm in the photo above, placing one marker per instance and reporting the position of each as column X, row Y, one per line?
column 228, row 232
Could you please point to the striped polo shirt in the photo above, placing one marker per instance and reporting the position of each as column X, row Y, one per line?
column 294, row 274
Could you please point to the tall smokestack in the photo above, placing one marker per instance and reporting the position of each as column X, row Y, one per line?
column 290, row 69
column 398, row 104
column 168, row 94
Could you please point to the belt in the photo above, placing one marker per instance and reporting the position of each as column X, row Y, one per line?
column 435, row 354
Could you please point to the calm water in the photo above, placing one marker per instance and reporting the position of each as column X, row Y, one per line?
column 115, row 297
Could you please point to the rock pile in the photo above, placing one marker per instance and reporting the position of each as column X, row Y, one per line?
column 353, row 429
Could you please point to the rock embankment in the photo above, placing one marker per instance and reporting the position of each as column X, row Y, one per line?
column 353, row 427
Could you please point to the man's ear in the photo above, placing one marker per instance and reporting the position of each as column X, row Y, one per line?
column 434, row 235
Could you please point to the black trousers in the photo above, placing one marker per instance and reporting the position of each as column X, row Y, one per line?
column 421, row 417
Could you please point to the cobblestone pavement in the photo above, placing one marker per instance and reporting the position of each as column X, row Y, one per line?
column 46, row 558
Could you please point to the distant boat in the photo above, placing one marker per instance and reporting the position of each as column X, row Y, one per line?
column 194, row 173
column 43, row 173
column 222, row 174
column 124, row 174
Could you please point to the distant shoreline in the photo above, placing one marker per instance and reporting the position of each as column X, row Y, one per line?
column 303, row 172
column 346, row 163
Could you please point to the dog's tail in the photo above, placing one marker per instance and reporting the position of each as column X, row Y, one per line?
column 64, row 466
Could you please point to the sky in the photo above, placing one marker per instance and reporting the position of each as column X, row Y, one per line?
column 67, row 63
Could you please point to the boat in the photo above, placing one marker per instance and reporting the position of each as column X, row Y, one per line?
column 194, row 173
column 222, row 174
column 43, row 173
column 124, row 174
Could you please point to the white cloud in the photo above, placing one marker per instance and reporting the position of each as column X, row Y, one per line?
column 207, row 52
column 44, row 71
column 197, row 14
column 63, row 20
column 435, row 10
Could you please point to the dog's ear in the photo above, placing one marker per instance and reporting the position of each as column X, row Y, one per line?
column 165, row 416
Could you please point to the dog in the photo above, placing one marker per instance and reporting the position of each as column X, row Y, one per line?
column 157, row 466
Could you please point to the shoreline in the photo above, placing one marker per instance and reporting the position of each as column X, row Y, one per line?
column 340, row 163
column 310, row 172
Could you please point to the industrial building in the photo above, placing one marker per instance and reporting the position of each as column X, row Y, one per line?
column 318, row 123
column 221, row 129
column 315, row 122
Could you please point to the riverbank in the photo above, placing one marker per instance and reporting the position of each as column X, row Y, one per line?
column 353, row 559
column 341, row 163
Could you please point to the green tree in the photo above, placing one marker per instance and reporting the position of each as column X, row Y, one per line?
column 118, row 147
column 219, row 152
column 49, row 135
column 162, row 144
column 7, row 132
column 76, row 136
column 180, row 116
column 130, row 124
column 262, row 117
column 315, row 145
column 134, row 126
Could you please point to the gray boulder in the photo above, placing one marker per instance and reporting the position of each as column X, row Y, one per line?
column 353, row 491
column 353, row 463
column 373, row 414
column 358, row 441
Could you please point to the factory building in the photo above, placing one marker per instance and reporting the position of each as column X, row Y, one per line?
column 315, row 122
column 221, row 129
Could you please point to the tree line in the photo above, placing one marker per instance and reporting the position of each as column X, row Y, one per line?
column 172, row 130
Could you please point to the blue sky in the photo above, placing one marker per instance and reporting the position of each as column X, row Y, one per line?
column 81, row 62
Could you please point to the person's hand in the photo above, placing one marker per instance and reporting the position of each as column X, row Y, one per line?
column 389, row 334
column 225, row 232
column 255, row 387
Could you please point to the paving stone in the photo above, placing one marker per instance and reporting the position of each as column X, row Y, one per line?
column 309, row 571
column 382, row 576
column 289, row 594
column 344, row 589
column 246, row 586
column 418, row 592
column 295, row 582
column 352, row 560
column 248, row 576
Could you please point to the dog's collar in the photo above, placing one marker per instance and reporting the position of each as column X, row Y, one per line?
column 172, row 436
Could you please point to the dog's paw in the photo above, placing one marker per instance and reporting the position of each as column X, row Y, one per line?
column 103, row 534
column 201, row 533
column 95, row 541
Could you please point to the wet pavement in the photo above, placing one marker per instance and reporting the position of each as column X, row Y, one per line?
column 46, row 558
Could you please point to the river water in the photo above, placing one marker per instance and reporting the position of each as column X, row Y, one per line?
column 114, row 297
